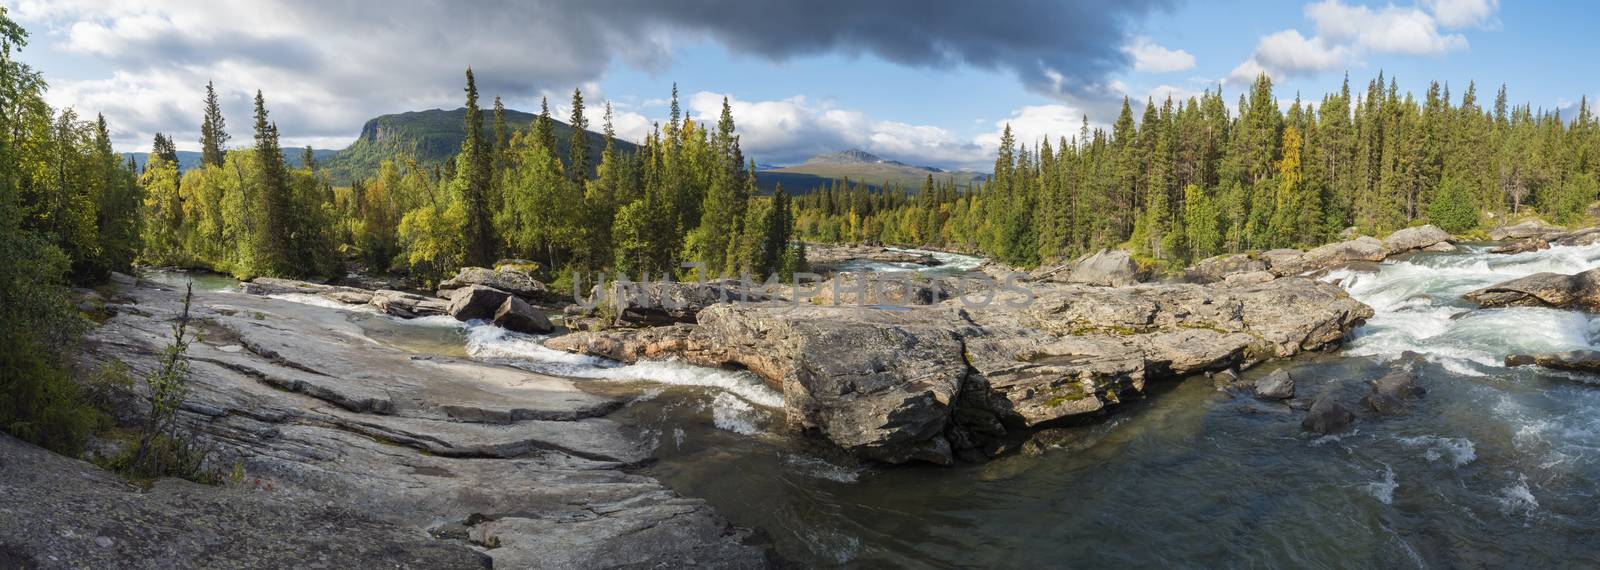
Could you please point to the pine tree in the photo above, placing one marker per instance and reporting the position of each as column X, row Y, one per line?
column 271, row 253
column 578, row 165
column 473, row 168
column 213, row 133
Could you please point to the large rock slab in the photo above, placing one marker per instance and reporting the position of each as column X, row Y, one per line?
column 1420, row 237
column 1579, row 291
column 1217, row 268
column 306, row 404
column 656, row 303
column 276, row 286
column 408, row 305
column 930, row 382
column 1572, row 361
column 506, row 278
column 1364, row 248
column 476, row 302
column 1533, row 228
column 828, row 258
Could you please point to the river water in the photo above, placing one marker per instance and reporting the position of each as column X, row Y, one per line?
column 1494, row 467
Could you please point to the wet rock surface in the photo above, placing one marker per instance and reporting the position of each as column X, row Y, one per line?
column 1577, row 291
column 930, row 383
column 303, row 402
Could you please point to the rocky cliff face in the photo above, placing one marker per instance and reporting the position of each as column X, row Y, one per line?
column 458, row 458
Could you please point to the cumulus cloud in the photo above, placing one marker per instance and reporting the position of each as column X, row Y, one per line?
column 1463, row 13
column 1344, row 32
column 326, row 65
column 1150, row 56
column 787, row 131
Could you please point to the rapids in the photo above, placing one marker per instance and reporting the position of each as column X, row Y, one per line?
column 1495, row 466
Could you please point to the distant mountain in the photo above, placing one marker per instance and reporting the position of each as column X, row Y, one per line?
column 434, row 136
column 862, row 166
column 189, row 159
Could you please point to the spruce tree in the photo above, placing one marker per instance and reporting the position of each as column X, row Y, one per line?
column 578, row 144
column 213, row 134
column 473, row 166
column 271, row 252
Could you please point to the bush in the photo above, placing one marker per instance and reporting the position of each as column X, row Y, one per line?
column 1453, row 208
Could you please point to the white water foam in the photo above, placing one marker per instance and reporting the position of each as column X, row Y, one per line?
column 1518, row 498
column 1460, row 450
column 324, row 302
column 527, row 351
column 732, row 414
column 1383, row 489
column 1418, row 308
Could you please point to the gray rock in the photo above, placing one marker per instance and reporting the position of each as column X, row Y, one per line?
column 1389, row 394
column 1579, row 291
column 1533, row 228
column 517, row 315
column 475, row 302
column 661, row 303
column 1441, row 247
column 1364, row 248
column 900, row 289
column 1250, row 278
column 1524, row 245
column 1573, row 361
column 334, row 426
column 1217, row 268
column 1284, row 262
column 123, row 279
column 79, row 516
column 1583, row 237
column 1415, row 238
column 1275, row 386
column 828, row 258
column 275, row 286
column 1106, row 268
column 1328, row 416
column 408, row 305
column 506, row 278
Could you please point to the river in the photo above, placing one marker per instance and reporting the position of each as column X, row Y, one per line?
column 1494, row 467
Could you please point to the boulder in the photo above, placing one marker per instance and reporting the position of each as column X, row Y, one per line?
column 1105, row 268
column 1364, row 248
column 1441, row 247
column 517, row 315
column 475, row 302
column 1390, row 393
column 1521, row 246
column 1327, row 416
column 1284, row 262
column 408, row 305
column 1415, row 238
column 1555, row 290
column 1217, row 268
column 1583, row 237
column 1572, row 361
column 507, row 278
column 1533, row 228
column 1275, row 386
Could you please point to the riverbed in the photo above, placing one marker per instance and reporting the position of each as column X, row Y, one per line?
column 1495, row 466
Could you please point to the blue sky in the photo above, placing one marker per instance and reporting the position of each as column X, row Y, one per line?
column 928, row 82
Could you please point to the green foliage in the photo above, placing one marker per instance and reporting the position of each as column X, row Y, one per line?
column 1453, row 208
column 159, row 452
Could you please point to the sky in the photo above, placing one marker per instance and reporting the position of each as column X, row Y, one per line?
column 922, row 81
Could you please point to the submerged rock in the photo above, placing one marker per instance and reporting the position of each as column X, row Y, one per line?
column 1327, row 416
column 1390, row 393
column 1579, row 291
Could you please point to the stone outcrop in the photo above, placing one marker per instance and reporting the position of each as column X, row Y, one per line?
column 1521, row 246
column 408, row 305
column 1284, row 262
column 1533, row 228
column 933, row 382
column 1420, row 237
column 275, row 286
column 476, row 453
column 1217, row 268
column 1578, row 291
column 506, row 278
column 1364, row 248
column 658, row 303
column 1106, row 268
column 900, row 289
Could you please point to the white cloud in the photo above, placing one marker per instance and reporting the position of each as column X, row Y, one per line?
column 1344, row 32
column 1151, row 57
column 1035, row 123
column 1463, row 13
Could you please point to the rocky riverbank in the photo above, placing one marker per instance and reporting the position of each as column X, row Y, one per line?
column 399, row 459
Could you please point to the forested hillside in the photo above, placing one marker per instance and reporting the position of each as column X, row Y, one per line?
column 1184, row 180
